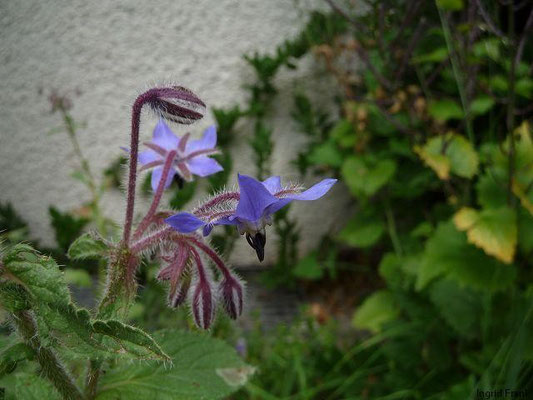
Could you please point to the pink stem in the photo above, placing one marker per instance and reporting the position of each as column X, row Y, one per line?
column 217, row 200
column 151, row 239
column 157, row 196
column 134, row 152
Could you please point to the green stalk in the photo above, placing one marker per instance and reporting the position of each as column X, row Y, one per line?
column 51, row 366
column 84, row 163
column 457, row 74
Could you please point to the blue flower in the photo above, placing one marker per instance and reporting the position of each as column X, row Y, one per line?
column 192, row 156
column 255, row 204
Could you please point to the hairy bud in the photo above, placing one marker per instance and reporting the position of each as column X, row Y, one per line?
column 177, row 104
column 178, row 296
column 203, row 304
column 231, row 293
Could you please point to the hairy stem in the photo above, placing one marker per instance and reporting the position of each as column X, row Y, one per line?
column 134, row 153
column 151, row 239
column 51, row 366
column 157, row 196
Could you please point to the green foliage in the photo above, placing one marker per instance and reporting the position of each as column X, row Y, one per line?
column 377, row 310
column 40, row 275
column 87, row 246
column 202, row 367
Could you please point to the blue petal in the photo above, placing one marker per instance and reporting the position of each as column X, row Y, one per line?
column 164, row 137
column 208, row 141
column 184, row 222
column 148, row 156
column 203, row 166
column 255, row 198
column 278, row 205
column 157, row 172
column 315, row 191
column 273, row 184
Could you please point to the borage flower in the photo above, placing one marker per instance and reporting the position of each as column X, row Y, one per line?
column 250, row 209
column 191, row 157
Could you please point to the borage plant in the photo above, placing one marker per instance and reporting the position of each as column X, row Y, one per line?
column 61, row 337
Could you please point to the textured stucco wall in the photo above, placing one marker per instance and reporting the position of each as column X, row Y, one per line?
column 110, row 51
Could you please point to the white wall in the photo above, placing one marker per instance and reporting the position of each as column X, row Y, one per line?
column 110, row 51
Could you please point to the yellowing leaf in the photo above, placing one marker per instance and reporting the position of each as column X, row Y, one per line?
column 447, row 154
column 437, row 162
column 493, row 230
column 521, row 193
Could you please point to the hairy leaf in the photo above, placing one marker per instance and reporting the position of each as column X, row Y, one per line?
column 13, row 297
column 131, row 340
column 40, row 275
column 28, row 386
column 87, row 246
column 203, row 368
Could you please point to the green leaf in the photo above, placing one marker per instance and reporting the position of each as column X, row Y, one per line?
column 461, row 308
column 447, row 253
column 493, row 230
column 364, row 179
column 343, row 133
column 444, row 110
column 67, row 327
column 326, row 154
column 87, row 246
column 12, row 355
column 377, row 309
column 363, row 230
column 488, row 48
column 13, row 297
column 130, row 339
column 309, row 267
column 490, row 193
column 449, row 153
column 450, row 5
column 40, row 275
column 203, row 368
column 437, row 55
column 28, row 386
column 481, row 105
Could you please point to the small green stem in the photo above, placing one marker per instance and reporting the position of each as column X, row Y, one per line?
column 84, row 163
column 391, row 224
column 51, row 367
column 457, row 74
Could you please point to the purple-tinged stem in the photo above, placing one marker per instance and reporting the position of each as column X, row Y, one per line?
column 217, row 200
column 134, row 152
column 147, row 241
column 157, row 196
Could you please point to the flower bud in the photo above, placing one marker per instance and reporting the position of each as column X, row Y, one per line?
column 231, row 293
column 178, row 296
column 203, row 304
column 177, row 104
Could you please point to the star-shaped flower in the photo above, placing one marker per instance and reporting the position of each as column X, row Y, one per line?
column 192, row 156
column 257, row 201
